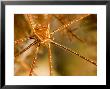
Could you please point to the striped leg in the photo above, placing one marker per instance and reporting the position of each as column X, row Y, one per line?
column 68, row 24
column 26, row 49
column 68, row 49
column 50, row 60
column 17, row 42
column 68, row 30
column 34, row 62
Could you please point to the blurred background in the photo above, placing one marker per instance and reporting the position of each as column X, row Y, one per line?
column 80, row 37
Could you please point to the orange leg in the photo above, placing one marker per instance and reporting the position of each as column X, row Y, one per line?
column 21, row 40
column 68, row 24
column 33, row 63
column 50, row 60
column 68, row 49
column 26, row 49
column 69, row 31
column 32, row 66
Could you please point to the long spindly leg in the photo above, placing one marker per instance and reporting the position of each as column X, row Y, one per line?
column 50, row 60
column 49, row 48
column 25, row 49
column 76, row 36
column 69, row 31
column 17, row 42
column 68, row 24
column 68, row 49
column 20, row 41
column 33, row 63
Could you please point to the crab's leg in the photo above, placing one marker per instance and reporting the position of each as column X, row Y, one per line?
column 72, row 34
column 68, row 24
column 26, row 48
column 50, row 60
column 33, row 63
column 16, row 42
column 68, row 49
